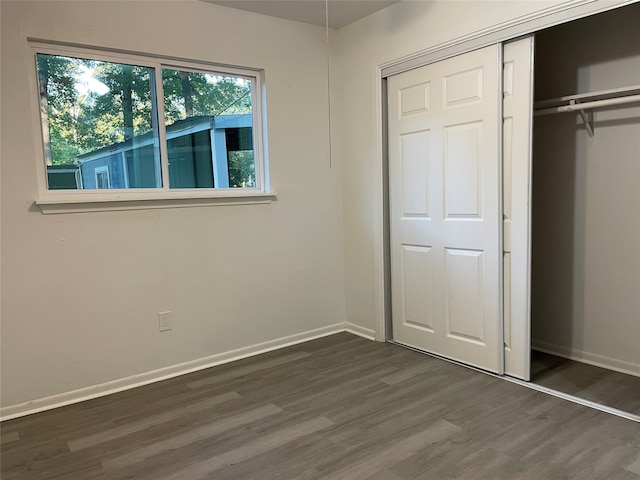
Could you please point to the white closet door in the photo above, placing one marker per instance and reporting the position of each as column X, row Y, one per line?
column 517, row 134
column 445, row 208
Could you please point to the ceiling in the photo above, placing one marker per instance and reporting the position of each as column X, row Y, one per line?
column 341, row 12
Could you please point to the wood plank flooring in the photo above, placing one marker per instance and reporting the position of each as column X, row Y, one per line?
column 610, row 388
column 339, row 407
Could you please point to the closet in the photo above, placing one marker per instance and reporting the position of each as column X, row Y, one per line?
column 585, row 263
column 564, row 229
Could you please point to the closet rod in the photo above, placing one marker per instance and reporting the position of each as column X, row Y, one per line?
column 589, row 96
column 577, row 107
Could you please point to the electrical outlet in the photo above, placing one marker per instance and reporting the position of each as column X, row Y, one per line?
column 164, row 321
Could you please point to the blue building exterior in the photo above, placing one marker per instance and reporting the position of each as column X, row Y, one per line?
column 198, row 150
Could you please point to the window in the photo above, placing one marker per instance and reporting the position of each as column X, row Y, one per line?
column 102, row 177
column 138, row 124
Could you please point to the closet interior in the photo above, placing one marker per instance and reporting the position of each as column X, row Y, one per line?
column 585, row 251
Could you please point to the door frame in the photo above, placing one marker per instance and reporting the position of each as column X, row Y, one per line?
column 528, row 24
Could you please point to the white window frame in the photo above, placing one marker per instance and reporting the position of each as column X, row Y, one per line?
column 99, row 171
column 66, row 201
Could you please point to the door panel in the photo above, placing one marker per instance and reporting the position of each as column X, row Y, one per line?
column 415, row 99
column 464, row 276
column 417, row 301
column 463, row 88
column 415, row 173
column 462, row 170
column 517, row 115
column 445, row 193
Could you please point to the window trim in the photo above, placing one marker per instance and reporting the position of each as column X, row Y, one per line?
column 143, row 200
column 100, row 170
column 58, row 201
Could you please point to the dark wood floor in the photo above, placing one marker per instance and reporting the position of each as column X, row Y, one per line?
column 340, row 407
column 600, row 385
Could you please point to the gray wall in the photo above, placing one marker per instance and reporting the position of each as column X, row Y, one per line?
column 586, row 206
column 81, row 291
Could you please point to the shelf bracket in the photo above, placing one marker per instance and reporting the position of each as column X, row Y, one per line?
column 587, row 119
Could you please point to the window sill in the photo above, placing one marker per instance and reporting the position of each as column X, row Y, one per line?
column 65, row 202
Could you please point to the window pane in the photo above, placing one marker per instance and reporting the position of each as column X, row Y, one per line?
column 99, row 119
column 209, row 122
column 102, row 178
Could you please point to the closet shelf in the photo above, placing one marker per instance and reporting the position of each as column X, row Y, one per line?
column 582, row 102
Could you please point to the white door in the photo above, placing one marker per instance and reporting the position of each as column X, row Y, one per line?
column 517, row 134
column 445, row 192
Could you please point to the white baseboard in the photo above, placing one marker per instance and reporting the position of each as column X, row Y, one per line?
column 615, row 364
column 107, row 388
column 360, row 331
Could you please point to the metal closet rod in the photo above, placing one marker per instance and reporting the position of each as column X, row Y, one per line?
column 586, row 101
column 578, row 106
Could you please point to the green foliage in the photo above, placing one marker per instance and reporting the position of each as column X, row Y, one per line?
column 205, row 93
column 127, row 104
column 58, row 95
column 241, row 169
column 63, row 148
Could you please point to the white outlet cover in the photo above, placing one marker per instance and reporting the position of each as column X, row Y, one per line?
column 164, row 321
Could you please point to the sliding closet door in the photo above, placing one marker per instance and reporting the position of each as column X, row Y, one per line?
column 445, row 208
column 517, row 135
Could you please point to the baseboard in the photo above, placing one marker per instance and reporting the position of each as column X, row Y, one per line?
column 617, row 365
column 107, row 388
column 360, row 331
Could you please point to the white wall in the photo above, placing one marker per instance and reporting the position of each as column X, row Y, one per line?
column 586, row 223
column 81, row 292
column 72, row 319
column 393, row 33
column 409, row 27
